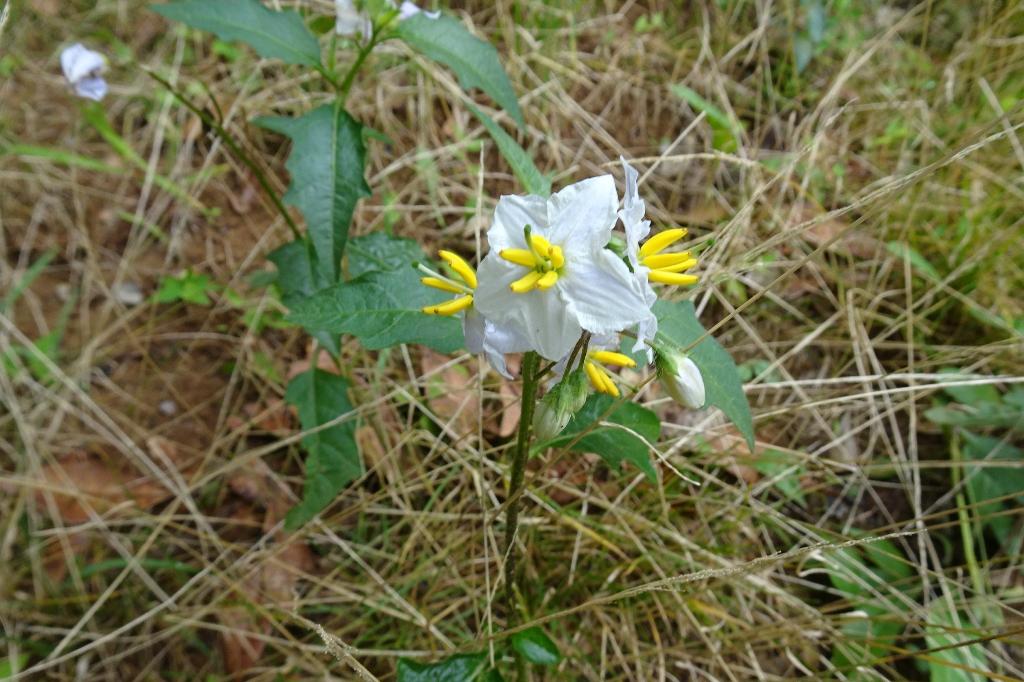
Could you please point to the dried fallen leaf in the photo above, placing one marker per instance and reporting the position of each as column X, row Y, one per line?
column 450, row 393
column 80, row 482
column 854, row 242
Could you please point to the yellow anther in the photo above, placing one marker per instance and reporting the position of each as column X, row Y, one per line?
column 596, row 376
column 609, row 386
column 443, row 285
column 460, row 266
column 547, row 280
column 540, row 246
column 663, row 277
column 663, row 239
column 679, row 267
column 557, row 257
column 527, row 283
column 607, row 357
column 451, row 307
column 663, row 260
column 522, row 257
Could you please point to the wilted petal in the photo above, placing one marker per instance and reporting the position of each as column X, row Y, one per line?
column 82, row 67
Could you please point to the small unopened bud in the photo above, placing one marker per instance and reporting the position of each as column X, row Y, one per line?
column 556, row 408
column 681, row 379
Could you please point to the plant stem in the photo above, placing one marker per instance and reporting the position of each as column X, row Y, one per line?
column 235, row 149
column 350, row 77
column 531, row 361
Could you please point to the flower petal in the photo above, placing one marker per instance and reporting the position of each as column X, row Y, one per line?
column 91, row 88
column 78, row 62
column 539, row 317
column 350, row 21
column 511, row 215
column 582, row 215
column 602, row 294
column 646, row 330
column 632, row 214
column 409, row 9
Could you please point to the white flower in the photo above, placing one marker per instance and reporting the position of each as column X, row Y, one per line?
column 563, row 280
column 409, row 9
column 82, row 67
column 482, row 335
column 350, row 20
column 353, row 22
column 681, row 378
column 632, row 217
column 648, row 262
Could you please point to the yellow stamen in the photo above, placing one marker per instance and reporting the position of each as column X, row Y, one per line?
column 594, row 373
column 609, row 386
column 540, row 246
column 607, row 357
column 547, row 280
column 663, row 239
column 679, row 267
column 522, row 257
column 526, row 283
column 663, row 277
column 460, row 266
column 663, row 260
column 443, row 285
column 556, row 256
column 451, row 307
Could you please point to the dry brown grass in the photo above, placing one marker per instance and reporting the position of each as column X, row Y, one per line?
column 905, row 129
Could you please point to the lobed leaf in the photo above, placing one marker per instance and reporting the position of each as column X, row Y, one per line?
column 277, row 35
column 333, row 457
column 677, row 324
column 475, row 62
column 381, row 308
column 326, row 167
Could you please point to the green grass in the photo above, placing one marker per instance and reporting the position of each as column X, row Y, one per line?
column 854, row 190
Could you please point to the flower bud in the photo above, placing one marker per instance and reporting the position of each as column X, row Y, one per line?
column 556, row 408
column 681, row 379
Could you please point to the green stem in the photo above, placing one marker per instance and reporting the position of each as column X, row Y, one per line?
column 350, row 77
column 235, row 149
column 530, row 380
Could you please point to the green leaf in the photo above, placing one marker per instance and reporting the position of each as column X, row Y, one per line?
column 333, row 456
column 12, row 666
column 957, row 663
column 459, row 668
column 187, row 287
column 980, row 416
column 536, row 647
column 970, row 395
column 381, row 309
column 991, row 488
column 771, row 463
column 474, row 61
column 533, row 181
column 614, row 445
column 727, row 130
column 380, row 252
column 278, row 35
column 326, row 167
column 297, row 281
column 678, row 325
